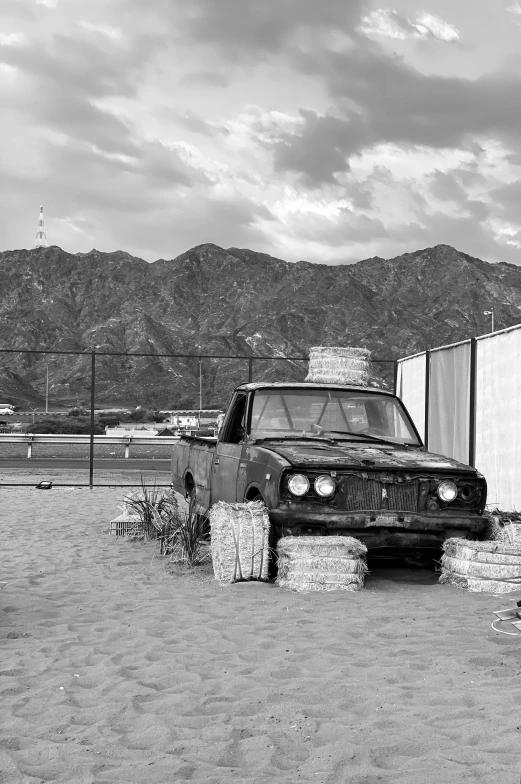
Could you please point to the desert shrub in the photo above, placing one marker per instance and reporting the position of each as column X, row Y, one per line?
column 157, row 511
column 183, row 536
column 188, row 543
column 65, row 426
column 138, row 415
column 108, row 420
column 183, row 403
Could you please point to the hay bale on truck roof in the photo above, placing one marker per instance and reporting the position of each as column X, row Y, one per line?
column 339, row 365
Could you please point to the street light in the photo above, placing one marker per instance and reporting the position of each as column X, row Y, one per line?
column 491, row 314
column 47, row 391
column 200, row 390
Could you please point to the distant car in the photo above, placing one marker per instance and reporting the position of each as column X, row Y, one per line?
column 6, row 412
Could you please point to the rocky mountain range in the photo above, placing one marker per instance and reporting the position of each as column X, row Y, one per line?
column 233, row 301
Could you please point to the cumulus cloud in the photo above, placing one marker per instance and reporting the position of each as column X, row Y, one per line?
column 254, row 30
column 380, row 99
column 206, row 77
column 286, row 126
column 11, row 39
column 390, row 23
column 114, row 33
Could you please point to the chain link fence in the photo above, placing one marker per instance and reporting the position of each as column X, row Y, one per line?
column 87, row 392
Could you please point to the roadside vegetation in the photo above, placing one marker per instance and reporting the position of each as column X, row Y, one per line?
column 183, row 535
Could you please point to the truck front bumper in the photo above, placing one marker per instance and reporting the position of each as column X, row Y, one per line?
column 379, row 528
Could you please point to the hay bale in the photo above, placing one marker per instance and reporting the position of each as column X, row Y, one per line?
column 503, row 528
column 321, row 563
column 494, row 571
column 239, row 541
column 484, row 552
column 306, row 546
column 476, row 585
column 488, row 567
column 339, row 365
column 325, row 564
column 353, row 582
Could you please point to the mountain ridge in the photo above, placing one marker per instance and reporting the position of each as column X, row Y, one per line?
column 214, row 300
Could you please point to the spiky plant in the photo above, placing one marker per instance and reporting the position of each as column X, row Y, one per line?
column 188, row 541
column 157, row 512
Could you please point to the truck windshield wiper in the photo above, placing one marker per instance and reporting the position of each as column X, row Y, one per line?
column 372, row 438
column 296, row 437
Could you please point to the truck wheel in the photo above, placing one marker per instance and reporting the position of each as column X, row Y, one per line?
column 202, row 519
column 189, row 488
column 272, row 542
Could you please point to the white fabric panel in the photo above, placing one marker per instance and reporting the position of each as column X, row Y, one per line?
column 498, row 418
column 449, row 400
column 411, row 389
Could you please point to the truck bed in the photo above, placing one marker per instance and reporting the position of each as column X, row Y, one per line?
column 194, row 455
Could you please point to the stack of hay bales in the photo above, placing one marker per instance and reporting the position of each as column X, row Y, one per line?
column 239, row 541
column 339, row 365
column 321, row 563
column 489, row 567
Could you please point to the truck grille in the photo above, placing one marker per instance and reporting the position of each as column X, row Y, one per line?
column 368, row 494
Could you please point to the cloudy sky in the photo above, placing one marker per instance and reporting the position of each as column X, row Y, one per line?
column 325, row 130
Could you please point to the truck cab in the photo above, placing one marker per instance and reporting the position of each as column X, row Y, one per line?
column 332, row 459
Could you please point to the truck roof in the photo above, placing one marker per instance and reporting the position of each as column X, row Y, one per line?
column 310, row 385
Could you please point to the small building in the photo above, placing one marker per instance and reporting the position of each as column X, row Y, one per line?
column 193, row 418
column 143, row 432
column 166, row 432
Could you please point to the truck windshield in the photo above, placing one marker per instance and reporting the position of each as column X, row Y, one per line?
column 334, row 413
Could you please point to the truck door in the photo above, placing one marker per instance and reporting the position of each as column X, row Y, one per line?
column 228, row 452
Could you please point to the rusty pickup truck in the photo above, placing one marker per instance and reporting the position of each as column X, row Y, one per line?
column 332, row 459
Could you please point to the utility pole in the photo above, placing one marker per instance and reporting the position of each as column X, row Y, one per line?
column 491, row 314
column 47, row 391
column 41, row 237
column 200, row 390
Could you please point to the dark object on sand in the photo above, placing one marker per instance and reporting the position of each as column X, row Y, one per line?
column 43, row 485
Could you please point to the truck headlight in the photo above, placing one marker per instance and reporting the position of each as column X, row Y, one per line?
column 325, row 485
column 298, row 484
column 447, row 490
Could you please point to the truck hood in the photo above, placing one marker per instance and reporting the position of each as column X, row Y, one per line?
column 323, row 455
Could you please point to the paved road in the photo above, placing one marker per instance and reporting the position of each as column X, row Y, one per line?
column 132, row 464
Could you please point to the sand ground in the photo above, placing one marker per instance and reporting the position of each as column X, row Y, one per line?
column 114, row 670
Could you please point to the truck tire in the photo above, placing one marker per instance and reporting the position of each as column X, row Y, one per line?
column 273, row 539
column 191, row 493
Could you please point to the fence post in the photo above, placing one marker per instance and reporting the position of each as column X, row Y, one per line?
column 250, row 369
column 472, row 402
column 127, row 449
column 29, row 448
column 427, row 395
column 92, row 387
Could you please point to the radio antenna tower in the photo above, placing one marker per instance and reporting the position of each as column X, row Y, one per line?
column 41, row 237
